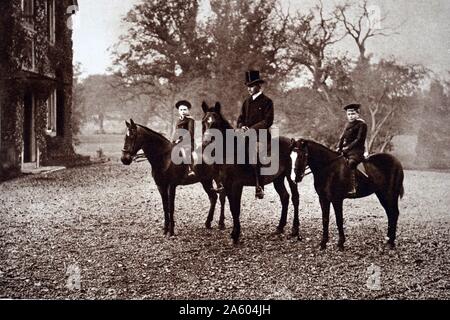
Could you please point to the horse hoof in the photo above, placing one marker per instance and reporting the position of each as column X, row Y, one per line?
column 299, row 238
column 390, row 245
column 278, row 231
column 323, row 246
column 208, row 225
column 221, row 226
column 340, row 247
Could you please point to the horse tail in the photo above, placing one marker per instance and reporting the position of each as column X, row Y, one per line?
column 400, row 176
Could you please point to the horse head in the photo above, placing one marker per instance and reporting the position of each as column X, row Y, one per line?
column 212, row 120
column 301, row 148
column 133, row 143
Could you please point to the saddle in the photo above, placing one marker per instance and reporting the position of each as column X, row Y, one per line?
column 361, row 168
column 362, row 165
column 266, row 157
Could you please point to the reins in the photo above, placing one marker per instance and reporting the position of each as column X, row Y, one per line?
column 327, row 165
column 324, row 167
column 139, row 157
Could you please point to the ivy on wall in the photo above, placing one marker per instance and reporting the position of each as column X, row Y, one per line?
column 52, row 68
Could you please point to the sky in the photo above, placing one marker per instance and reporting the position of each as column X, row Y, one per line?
column 423, row 31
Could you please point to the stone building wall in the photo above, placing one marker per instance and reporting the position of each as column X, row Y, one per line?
column 52, row 70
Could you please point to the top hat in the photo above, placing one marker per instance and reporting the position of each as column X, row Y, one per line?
column 252, row 78
column 183, row 103
column 353, row 106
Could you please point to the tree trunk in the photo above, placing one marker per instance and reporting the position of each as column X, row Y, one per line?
column 362, row 55
column 172, row 114
column 101, row 120
column 385, row 143
column 373, row 125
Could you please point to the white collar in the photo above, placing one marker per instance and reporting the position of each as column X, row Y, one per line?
column 256, row 95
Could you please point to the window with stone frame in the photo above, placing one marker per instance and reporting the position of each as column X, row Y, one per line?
column 51, row 29
column 51, row 113
column 28, row 54
column 28, row 12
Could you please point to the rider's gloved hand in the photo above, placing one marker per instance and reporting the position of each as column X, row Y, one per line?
column 242, row 129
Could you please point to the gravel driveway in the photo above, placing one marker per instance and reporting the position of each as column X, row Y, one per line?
column 96, row 232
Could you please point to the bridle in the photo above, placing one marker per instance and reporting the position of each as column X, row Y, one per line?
column 138, row 157
column 305, row 154
column 133, row 146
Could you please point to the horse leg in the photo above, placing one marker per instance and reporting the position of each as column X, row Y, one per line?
column 172, row 189
column 295, row 202
column 222, row 198
column 207, row 186
column 235, row 194
column 325, row 205
column 337, row 205
column 392, row 212
column 392, row 224
column 284, row 197
column 163, row 190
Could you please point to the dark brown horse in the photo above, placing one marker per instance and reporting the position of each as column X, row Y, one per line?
column 167, row 175
column 332, row 183
column 236, row 176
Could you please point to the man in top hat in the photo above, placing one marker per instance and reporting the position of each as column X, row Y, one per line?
column 352, row 141
column 186, row 122
column 256, row 113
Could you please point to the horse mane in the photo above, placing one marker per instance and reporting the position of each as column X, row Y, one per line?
column 227, row 123
column 318, row 144
column 160, row 135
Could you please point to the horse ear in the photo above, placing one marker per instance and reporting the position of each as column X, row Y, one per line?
column 127, row 124
column 292, row 145
column 205, row 107
column 133, row 125
column 217, row 107
column 295, row 145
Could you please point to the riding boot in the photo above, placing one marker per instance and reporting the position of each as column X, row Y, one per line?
column 259, row 190
column 353, row 185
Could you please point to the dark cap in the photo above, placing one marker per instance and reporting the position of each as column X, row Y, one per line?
column 183, row 103
column 353, row 106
